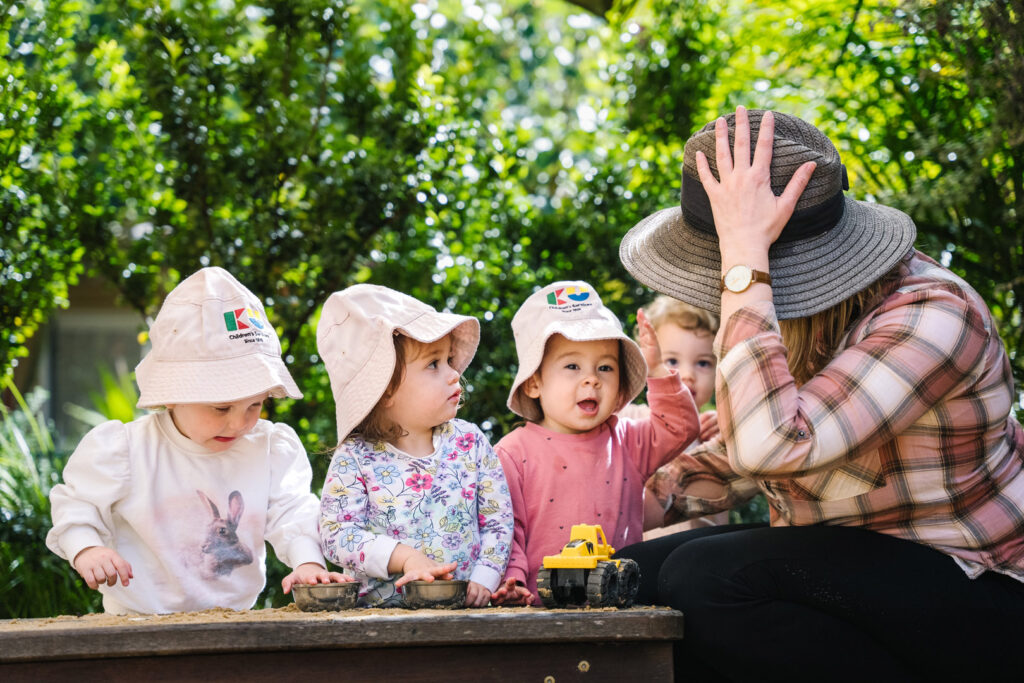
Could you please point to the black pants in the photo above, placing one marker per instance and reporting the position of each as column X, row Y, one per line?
column 828, row 603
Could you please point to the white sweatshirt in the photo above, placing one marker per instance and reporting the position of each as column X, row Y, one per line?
column 191, row 523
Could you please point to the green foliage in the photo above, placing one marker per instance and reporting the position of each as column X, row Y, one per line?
column 754, row 511
column 40, row 118
column 33, row 581
column 466, row 155
column 115, row 401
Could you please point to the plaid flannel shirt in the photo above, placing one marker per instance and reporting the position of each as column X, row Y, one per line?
column 907, row 431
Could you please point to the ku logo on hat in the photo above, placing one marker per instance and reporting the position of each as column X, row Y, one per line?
column 242, row 319
column 562, row 296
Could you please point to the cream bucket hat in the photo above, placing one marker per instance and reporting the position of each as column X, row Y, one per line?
column 355, row 338
column 573, row 310
column 212, row 343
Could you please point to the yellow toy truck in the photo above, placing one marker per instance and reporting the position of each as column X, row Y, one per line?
column 585, row 574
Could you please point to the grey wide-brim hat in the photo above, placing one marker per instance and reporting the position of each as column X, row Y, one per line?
column 831, row 248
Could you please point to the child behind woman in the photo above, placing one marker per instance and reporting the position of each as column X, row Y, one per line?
column 412, row 493
column 177, row 504
column 686, row 335
column 575, row 461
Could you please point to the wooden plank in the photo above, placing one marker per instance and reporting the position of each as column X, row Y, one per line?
column 591, row 662
column 344, row 630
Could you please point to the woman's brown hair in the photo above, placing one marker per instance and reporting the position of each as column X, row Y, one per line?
column 811, row 342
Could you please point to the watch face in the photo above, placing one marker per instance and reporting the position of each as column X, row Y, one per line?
column 738, row 278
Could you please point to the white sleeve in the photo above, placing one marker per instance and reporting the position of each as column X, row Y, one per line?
column 293, row 511
column 96, row 477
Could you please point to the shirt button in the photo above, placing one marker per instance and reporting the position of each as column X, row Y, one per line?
column 802, row 434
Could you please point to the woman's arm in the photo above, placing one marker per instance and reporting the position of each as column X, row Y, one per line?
column 917, row 348
column 749, row 217
column 698, row 482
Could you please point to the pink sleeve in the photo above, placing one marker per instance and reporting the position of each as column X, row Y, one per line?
column 518, row 566
column 672, row 425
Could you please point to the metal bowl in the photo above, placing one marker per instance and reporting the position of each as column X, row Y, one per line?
column 326, row 596
column 435, row 594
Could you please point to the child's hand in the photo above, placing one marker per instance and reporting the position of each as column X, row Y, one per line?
column 311, row 572
column 419, row 567
column 650, row 347
column 98, row 564
column 512, row 593
column 708, row 425
column 477, row 595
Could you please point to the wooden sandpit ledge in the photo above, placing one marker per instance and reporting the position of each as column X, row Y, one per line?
column 506, row 644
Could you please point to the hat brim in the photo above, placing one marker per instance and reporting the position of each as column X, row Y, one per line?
column 465, row 331
column 808, row 276
column 356, row 398
column 221, row 380
column 576, row 330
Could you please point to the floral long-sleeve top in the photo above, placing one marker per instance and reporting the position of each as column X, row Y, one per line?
column 452, row 505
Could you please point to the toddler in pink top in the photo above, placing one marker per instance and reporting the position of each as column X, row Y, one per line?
column 575, row 461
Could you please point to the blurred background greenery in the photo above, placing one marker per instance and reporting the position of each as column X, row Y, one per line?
column 462, row 151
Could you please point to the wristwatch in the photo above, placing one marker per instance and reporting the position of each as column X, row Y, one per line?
column 739, row 277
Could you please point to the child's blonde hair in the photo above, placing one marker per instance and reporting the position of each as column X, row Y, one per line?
column 664, row 309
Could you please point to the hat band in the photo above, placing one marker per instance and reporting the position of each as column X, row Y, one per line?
column 807, row 222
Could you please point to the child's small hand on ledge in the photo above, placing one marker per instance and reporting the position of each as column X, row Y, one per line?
column 477, row 595
column 415, row 566
column 312, row 573
column 511, row 593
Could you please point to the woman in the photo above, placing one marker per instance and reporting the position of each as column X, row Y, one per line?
column 864, row 389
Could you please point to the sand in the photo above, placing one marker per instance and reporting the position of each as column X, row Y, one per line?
column 289, row 613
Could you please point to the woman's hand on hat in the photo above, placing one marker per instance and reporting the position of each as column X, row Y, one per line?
column 748, row 215
column 649, row 346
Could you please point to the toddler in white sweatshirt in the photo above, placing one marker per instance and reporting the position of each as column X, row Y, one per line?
column 169, row 513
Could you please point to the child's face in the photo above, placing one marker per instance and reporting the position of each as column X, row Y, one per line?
column 429, row 393
column 691, row 354
column 577, row 384
column 217, row 426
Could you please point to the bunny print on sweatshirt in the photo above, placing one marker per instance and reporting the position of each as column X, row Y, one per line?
column 222, row 550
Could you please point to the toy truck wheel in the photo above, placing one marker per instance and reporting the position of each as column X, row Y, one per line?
column 629, row 582
column 603, row 585
column 546, row 589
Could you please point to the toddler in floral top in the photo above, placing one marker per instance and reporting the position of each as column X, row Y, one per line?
column 411, row 493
